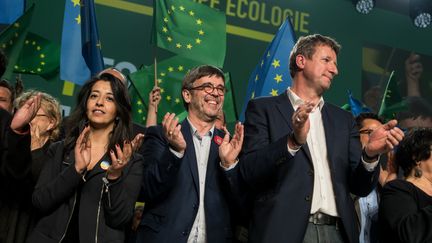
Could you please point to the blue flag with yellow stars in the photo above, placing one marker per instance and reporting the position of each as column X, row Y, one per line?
column 271, row 76
column 81, row 56
column 11, row 10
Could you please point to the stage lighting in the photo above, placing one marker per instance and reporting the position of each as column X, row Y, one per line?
column 420, row 13
column 364, row 6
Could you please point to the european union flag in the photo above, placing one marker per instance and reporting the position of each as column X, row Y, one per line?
column 11, row 10
column 81, row 57
column 356, row 106
column 271, row 76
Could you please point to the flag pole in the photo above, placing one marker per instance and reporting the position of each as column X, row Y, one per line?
column 155, row 75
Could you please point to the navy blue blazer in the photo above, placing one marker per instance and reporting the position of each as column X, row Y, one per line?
column 280, row 186
column 170, row 190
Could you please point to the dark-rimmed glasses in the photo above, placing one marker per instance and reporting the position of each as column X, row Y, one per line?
column 366, row 131
column 208, row 88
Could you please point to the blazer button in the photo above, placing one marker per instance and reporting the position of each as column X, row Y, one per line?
column 310, row 172
column 184, row 233
column 308, row 198
column 195, row 206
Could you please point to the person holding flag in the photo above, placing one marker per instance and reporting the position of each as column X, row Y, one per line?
column 302, row 157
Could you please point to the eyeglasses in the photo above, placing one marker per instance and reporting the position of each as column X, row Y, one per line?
column 366, row 131
column 208, row 88
column 41, row 115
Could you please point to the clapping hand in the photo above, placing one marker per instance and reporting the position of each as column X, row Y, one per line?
column 172, row 131
column 119, row 159
column 83, row 151
column 230, row 148
column 25, row 114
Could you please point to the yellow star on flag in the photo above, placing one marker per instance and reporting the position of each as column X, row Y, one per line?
column 276, row 63
column 180, row 68
column 189, row 46
column 42, row 55
column 198, row 40
column 182, row 8
column 169, row 38
column 78, row 19
column 166, row 20
column 139, row 102
column 140, row 111
column 75, row 2
column 168, row 98
column 173, row 7
column 170, row 69
column 278, row 78
column 162, row 74
column 164, row 29
column 162, row 90
column 200, row 32
column 191, row 13
column 177, row 100
column 199, row 22
column 273, row 92
column 178, row 45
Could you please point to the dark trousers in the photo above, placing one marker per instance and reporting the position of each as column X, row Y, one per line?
column 316, row 233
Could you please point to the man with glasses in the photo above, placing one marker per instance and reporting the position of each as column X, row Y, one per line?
column 183, row 186
column 367, row 207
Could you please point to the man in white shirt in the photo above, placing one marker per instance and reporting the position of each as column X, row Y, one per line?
column 302, row 156
column 183, row 186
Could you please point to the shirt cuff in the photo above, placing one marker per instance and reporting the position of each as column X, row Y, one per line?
column 370, row 166
column 230, row 167
column 292, row 151
column 177, row 154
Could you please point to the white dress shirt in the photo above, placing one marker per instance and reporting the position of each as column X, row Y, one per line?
column 323, row 198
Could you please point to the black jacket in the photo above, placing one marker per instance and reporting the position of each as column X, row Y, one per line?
column 104, row 207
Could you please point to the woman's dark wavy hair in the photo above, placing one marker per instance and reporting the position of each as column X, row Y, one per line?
column 78, row 119
column 415, row 147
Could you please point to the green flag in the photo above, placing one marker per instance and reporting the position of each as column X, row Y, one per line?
column 139, row 110
column 191, row 29
column 392, row 101
column 170, row 76
column 12, row 40
column 38, row 56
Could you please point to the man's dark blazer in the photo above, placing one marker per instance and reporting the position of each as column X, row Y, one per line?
column 171, row 191
column 282, row 185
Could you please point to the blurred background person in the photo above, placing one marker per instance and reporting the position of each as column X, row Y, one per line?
column 87, row 190
column 417, row 114
column 405, row 213
column 367, row 207
column 15, row 161
column 7, row 96
column 152, row 109
column 44, row 128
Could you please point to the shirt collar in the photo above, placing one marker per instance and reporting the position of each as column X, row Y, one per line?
column 296, row 101
column 195, row 131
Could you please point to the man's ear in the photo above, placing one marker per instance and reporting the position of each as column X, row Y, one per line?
column 187, row 96
column 300, row 61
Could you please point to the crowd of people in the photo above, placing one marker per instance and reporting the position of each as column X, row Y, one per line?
column 299, row 170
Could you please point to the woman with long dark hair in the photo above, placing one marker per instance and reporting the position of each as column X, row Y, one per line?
column 88, row 188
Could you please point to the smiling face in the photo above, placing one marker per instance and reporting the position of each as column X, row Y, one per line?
column 101, row 106
column 202, row 105
column 320, row 69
